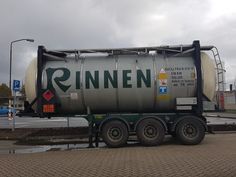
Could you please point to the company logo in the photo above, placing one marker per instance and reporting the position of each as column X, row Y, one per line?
column 93, row 79
column 58, row 80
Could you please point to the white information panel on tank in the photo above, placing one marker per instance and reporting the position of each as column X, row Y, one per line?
column 186, row 101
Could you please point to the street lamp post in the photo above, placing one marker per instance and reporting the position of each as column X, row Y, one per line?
column 13, row 114
column 29, row 40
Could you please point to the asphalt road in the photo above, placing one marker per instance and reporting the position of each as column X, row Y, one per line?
column 34, row 122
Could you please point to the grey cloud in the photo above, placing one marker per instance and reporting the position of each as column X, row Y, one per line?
column 60, row 24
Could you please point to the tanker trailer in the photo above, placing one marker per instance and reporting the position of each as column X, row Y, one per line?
column 150, row 91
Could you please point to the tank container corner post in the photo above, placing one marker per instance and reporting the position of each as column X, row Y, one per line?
column 197, row 60
column 40, row 61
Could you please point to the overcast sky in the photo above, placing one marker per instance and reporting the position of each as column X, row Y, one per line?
column 70, row 24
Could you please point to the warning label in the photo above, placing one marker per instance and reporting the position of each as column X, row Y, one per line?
column 162, row 75
column 162, row 82
column 162, row 89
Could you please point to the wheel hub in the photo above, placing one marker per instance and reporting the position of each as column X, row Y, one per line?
column 150, row 131
column 115, row 133
column 189, row 130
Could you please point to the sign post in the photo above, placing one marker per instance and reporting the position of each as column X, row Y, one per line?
column 16, row 88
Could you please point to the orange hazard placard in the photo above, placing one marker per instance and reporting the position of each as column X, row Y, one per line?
column 49, row 108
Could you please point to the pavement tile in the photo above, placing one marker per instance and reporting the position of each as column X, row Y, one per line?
column 215, row 156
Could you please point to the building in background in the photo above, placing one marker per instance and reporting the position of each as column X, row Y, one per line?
column 230, row 100
column 19, row 105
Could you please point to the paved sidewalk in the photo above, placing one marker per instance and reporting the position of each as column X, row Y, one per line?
column 216, row 156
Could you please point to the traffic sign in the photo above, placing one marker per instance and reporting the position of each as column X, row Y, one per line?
column 16, row 85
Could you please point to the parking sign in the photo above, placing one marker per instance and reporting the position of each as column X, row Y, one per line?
column 16, row 85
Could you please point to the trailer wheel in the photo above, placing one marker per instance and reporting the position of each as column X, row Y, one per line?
column 150, row 132
column 115, row 133
column 190, row 131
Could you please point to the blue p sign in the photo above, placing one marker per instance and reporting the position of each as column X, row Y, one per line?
column 16, row 85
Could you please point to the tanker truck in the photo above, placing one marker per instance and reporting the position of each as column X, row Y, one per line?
column 145, row 91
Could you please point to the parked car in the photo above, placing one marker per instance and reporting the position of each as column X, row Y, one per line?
column 4, row 110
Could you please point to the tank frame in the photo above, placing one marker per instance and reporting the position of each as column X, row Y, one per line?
column 96, row 122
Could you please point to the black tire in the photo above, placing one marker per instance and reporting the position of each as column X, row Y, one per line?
column 190, row 131
column 115, row 133
column 150, row 132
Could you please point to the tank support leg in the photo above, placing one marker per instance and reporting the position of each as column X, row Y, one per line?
column 90, row 119
column 96, row 136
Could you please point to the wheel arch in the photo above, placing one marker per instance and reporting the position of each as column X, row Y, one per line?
column 173, row 127
column 151, row 117
column 111, row 118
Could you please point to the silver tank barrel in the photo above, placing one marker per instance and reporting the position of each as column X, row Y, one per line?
column 122, row 83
